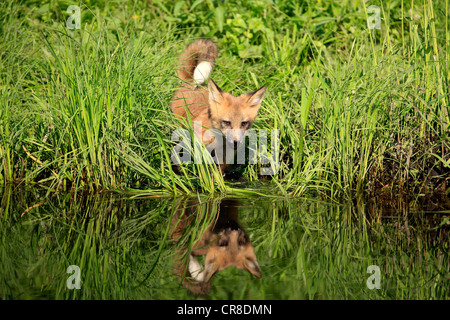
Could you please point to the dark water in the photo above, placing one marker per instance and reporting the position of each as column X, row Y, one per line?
column 122, row 247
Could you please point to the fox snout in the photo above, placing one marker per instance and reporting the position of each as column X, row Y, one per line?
column 234, row 137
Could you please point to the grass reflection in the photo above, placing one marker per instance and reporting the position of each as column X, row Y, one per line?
column 127, row 248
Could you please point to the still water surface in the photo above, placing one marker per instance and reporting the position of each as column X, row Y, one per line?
column 111, row 246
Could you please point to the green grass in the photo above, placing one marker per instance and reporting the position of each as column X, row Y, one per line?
column 358, row 110
column 307, row 249
column 360, row 113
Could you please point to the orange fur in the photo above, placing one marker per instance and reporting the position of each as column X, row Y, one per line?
column 213, row 107
column 224, row 243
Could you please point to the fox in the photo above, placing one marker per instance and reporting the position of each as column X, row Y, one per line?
column 208, row 104
column 224, row 244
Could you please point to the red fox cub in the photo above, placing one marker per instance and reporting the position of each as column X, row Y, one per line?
column 224, row 243
column 210, row 105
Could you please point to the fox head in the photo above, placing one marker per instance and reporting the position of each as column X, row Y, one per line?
column 233, row 115
column 231, row 247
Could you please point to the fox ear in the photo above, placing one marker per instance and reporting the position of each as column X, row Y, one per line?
column 251, row 265
column 255, row 97
column 215, row 93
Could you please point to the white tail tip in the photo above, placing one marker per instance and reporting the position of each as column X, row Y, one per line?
column 202, row 71
column 195, row 269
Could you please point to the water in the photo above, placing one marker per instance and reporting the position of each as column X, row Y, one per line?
column 120, row 247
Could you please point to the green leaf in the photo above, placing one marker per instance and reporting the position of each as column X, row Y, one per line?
column 177, row 8
column 196, row 3
column 219, row 13
column 250, row 52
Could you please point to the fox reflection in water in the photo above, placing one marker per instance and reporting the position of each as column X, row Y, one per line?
column 224, row 243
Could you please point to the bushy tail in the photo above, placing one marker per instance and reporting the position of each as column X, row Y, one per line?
column 197, row 60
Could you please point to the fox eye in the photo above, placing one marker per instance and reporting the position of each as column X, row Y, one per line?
column 226, row 123
column 242, row 240
column 244, row 123
column 223, row 243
